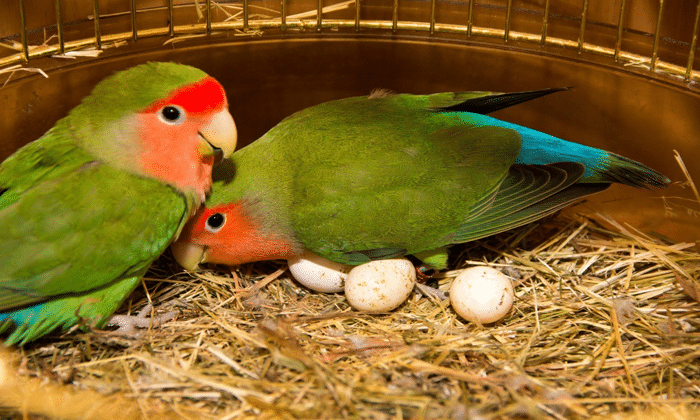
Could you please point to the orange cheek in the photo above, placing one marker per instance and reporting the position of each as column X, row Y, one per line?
column 194, row 231
column 239, row 240
column 218, row 255
column 222, row 248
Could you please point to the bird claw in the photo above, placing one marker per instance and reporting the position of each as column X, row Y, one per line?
column 428, row 291
column 128, row 323
column 424, row 273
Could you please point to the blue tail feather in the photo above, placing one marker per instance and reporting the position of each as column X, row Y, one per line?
column 601, row 166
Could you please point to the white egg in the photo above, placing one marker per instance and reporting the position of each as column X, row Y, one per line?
column 381, row 285
column 482, row 294
column 318, row 273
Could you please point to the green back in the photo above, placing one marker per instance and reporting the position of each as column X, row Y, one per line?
column 387, row 175
column 359, row 187
column 47, row 158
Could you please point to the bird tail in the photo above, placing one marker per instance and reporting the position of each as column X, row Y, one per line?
column 542, row 149
column 601, row 166
column 626, row 171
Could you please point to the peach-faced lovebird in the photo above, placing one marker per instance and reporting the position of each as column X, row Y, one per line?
column 382, row 176
column 87, row 207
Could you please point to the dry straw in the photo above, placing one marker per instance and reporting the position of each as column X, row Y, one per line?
column 601, row 327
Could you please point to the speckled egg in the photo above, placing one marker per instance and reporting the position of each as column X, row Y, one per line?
column 318, row 273
column 381, row 285
column 482, row 294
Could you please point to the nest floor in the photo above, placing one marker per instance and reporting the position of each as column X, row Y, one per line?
column 606, row 324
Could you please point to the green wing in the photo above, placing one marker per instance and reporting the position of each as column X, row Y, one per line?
column 81, row 230
column 46, row 158
column 401, row 194
column 360, row 179
column 409, row 185
column 529, row 193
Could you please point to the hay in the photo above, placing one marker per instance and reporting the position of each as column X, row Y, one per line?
column 601, row 328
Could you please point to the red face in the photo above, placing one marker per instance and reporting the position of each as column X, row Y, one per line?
column 206, row 96
column 226, row 234
column 181, row 135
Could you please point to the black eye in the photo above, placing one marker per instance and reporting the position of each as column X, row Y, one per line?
column 171, row 114
column 215, row 222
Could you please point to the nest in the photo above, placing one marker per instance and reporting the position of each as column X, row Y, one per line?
column 605, row 323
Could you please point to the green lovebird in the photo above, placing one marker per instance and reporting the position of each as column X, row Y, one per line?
column 87, row 207
column 386, row 175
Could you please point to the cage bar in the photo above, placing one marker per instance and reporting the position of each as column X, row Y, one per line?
column 96, row 19
column 657, row 34
column 171, row 18
column 59, row 28
column 509, row 10
column 582, row 30
column 133, row 20
column 246, row 17
column 283, row 15
column 208, row 16
column 470, row 18
column 23, row 33
column 545, row 19
column 620, row 28
column 395, row 16
column 616, row 53
column 693, row 44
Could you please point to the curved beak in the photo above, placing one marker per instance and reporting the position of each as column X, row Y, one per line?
column 218, row 137
column 188, row 255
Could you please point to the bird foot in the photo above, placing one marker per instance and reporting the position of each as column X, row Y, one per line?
column 428, row 291
column 424, row 273
column 128, row 323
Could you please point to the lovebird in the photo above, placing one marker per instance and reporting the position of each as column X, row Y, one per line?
column 87, row 207
column 387, row 175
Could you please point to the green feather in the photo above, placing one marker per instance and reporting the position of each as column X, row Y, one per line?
column 145, row 83
column 55, row 238
column 50, row 157
column 435, row 258
column 77, row 232
column 76, row 240
column 328, row 200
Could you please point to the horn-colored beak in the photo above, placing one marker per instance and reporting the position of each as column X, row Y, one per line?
column 188, row 255
column 218, row 137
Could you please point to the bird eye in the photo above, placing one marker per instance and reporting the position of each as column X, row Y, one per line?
column 171, row 114
column 215, row 222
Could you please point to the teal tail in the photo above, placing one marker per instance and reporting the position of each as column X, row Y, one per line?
column 25, row 323
column 542, row 149
column 601, row 166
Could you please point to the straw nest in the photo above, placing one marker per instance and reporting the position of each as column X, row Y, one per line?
column 605, row 324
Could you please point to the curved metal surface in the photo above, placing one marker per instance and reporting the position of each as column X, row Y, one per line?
column 638, row 32
column 269, row 78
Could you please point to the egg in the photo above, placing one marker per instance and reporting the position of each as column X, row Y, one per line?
column 482, row 294
column 318, row 273
column 381, row 285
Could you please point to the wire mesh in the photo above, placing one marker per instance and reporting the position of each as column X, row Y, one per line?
column 658, row 36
